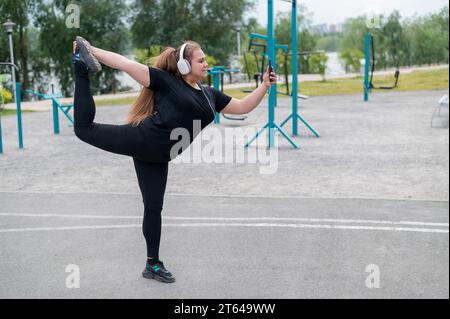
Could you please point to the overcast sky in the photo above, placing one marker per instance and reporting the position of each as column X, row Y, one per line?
column 333, row 12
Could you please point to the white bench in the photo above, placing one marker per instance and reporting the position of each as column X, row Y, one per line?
column 443, row 102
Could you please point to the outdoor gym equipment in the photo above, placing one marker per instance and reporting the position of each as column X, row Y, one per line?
column 260, row 41
column 217, row 73
column 271, row 126
column 56, row 105
column 18, row 108
column 255, row 41
column 369, row 68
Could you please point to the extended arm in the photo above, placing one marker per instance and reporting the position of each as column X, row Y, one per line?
column 136, row 70
column 251, row 101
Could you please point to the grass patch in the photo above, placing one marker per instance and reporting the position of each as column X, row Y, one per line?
column 424, row 80
column 13, row 112
column 117, row 101
column 415, row 81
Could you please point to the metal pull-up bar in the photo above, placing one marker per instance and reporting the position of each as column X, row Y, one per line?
column 16, row 87
column 271, row 126
column 10, row 64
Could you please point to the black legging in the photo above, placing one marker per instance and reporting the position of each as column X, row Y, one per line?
column 152, row 178
column 125, row 140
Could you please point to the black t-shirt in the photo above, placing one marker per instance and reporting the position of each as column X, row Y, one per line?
column 177, row 104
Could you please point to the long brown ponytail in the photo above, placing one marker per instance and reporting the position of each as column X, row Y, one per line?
column 144, row 105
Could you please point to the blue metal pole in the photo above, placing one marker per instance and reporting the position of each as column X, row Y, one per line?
column 294, row 69
column 273, row 89
column 216, row 83
column 55, row 117
column 1, row 143
column 275, row 67
column 258, row 36
column 366, row 67
column 19, row 114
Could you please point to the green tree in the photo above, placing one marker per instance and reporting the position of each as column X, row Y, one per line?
column 398, row 42
column 352, row 59
column 144, row 24
column 17, row 12
column 430, row 38
column 102, row 22
column 318, row 64
column 5, row 96
column 391, row 48
column 148, row 56
column 144, row 56
column 208, row 22
column 353, row 33
column 251, row 26
column 441, row 20
column 307, row 40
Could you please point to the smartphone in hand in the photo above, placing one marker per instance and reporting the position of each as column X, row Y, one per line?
column 270, row 66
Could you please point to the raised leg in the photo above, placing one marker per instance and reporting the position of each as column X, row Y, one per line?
column 119, row 139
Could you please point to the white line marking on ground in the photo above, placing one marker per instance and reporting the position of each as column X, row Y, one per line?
column 293, row 219
column 256, row 196
column 316, row 226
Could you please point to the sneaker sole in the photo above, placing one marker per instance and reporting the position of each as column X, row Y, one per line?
column 86, row 56
column 149, row 275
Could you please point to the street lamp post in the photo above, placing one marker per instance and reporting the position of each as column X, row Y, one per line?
column 9, row 29
column 239, row 41
column 237, row 28
column 8, row 25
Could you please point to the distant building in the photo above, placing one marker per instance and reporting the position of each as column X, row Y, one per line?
column 321, row 28
column 325, row 28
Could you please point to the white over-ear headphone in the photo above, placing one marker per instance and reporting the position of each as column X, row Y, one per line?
column 183, row 65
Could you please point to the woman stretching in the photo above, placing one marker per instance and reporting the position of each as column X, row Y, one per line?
column 172, row 97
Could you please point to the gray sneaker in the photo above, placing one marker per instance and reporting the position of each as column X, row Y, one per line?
column 158, row 272
column 85, row 55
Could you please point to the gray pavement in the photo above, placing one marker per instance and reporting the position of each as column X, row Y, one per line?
column 372, row 190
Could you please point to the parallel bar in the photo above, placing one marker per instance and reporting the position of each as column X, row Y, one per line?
column 366, row 67
column 283, row 47
column 19, row 115
column 258, row 36
column 272, row 57
column 216, row 82
column 55, row 116
column 294, row 69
